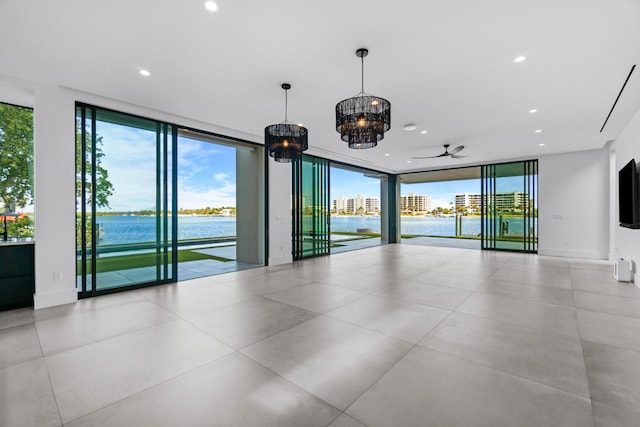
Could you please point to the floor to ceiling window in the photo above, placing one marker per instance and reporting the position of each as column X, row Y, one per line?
column 337, row 207
column 489, row 207
column 157, row 203
column 355, row 208
column 510, row 206
column 125, row 195
column 311, row 227
column 220, row 211
column 441, row 208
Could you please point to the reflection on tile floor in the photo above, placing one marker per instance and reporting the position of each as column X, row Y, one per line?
column 395, row 335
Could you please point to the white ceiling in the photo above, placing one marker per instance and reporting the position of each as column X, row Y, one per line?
column 446, row 66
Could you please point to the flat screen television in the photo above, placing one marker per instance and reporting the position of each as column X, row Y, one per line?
column 628, row 197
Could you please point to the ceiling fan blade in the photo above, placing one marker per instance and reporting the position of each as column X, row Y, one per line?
column 457, row 149
column 454, row 156
column 428, row 157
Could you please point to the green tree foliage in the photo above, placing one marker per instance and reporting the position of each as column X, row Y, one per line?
column 22, row 227
column 104, row 188
column 16, row 156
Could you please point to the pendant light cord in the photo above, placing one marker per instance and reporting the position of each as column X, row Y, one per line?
column 362, row 73
column 286, row 106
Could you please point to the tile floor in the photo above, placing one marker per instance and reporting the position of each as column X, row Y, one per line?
column 397, row 335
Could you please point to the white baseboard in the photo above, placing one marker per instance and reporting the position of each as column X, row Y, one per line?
column 51, row 299
column 572, row 253
column 286, row 259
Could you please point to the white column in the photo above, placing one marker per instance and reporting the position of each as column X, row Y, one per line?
column 279, row 213
column 54, row 153
column 249, row 206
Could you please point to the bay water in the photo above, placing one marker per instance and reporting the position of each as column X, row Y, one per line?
column 134, row 229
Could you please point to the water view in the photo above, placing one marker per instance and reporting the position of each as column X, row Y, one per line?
column 132, row 229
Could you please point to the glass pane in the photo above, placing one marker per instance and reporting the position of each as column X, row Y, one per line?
column 313, row 212
column 124, row 202
column 207, row 207
column 84, row 217
column 510, row 209
column 129, row 234
column 16, row 173
column 355, row 210
column 442, row 208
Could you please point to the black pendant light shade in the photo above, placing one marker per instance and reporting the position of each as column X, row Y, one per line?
column 363, row 119
column 286, row 141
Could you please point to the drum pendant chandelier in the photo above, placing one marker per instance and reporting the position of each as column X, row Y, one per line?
column 286, row 141
column 363, row 119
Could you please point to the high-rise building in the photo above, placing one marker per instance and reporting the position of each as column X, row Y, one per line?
column 371, row 205
column 415, row 202
column 340, row 205
column 503, row 200
column 468, row 199
column 356, row 205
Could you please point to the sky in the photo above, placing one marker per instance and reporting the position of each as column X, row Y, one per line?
column 345, row 183
column 206, row 171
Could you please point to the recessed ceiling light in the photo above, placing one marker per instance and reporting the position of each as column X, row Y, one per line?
column 541, row 145
column 423, row 132
column 387, row 154
column 211, row 6
column 410, row 126
column 145, row 73
column 520, row 59
column 538, row 130
column 408, row 161
column 533, row 110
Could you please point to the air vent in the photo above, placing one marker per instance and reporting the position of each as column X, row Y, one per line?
column 619, row 95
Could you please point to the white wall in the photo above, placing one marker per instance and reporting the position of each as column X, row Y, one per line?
column 279, row 213
column 627, row 146
column 574, row 204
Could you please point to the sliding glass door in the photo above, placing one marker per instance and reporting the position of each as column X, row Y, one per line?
column 310, row 207
column 125, row 198
column 509, row 206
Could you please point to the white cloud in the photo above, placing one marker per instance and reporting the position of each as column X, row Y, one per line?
column 189, row 198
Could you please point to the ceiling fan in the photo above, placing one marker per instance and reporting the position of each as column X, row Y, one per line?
column 446, row 153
